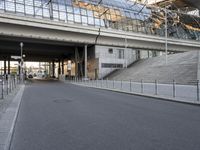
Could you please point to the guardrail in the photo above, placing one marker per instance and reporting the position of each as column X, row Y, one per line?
column 8, row 84
column 172, row 90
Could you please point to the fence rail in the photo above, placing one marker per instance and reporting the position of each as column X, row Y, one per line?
column 172, row 90
column 8, row 84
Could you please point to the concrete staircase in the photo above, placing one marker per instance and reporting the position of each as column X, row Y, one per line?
column 181, row 67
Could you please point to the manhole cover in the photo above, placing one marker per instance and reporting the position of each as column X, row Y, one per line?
column 62, row 100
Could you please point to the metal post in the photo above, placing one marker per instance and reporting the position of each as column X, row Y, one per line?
column 130, row 85
column 107, row 83
column 85, row 61
column 121, row 85
column 125, row 52
column 174, row 88
column 14, row 80
column 166, row 45
column 142, row 90
column 101, row 83
column 2, row 94
column 10, row 84
column 7, row 87
column 197, row 90
column 21, row 63
column 113, row 84
column 156, row 87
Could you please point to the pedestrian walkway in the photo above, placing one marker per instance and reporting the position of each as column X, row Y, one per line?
column 8, row 112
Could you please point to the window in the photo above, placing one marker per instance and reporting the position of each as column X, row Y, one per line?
column 110, row 65
column 121, row 54
column 110, row 51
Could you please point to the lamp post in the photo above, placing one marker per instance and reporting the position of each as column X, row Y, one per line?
column 125, row 52
column 21, row 63
column 166, row 42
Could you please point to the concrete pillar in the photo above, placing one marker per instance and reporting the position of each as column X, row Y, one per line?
column 8, row 66
column 59, row 69
column 76, row 61
column 53, row 69
column 85, row 50
column 63, row 71
column 50, row 72
column 5, row 67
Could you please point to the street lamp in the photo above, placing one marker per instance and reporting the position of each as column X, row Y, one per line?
column 166, row 42
column 21, row 63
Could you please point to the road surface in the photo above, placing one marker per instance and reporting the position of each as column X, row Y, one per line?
column 59, row 116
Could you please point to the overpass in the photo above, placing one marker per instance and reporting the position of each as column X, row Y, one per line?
column 83, row 26
column 27, row 28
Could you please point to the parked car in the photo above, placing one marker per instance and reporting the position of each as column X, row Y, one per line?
column 30, row 76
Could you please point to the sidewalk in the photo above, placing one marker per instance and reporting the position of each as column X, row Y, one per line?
column 8, row 113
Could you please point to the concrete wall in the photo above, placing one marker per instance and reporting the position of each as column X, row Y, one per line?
column 110, row 55
column 148, row 54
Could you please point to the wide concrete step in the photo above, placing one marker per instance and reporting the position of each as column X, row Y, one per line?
column 181, row 67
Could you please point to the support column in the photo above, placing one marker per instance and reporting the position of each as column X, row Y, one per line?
column 63, row 71
column 85, row 71
column 53, row 69
column 50, row 72
column 5, row 67
column 76, row 62
column 8, row 66
column 59, row 69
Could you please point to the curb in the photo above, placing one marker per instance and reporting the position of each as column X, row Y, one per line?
column 146, row 95
column 11, row 116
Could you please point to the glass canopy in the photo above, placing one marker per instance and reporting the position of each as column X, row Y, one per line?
column 112, row 14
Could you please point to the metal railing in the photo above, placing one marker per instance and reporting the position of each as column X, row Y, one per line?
column 8, row 84
column 173, row 90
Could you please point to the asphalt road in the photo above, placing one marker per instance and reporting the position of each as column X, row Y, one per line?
column 58, row 116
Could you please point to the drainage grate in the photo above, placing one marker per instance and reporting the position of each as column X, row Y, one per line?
column 62, row 100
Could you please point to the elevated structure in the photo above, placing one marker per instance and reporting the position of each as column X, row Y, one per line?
column 185, row 5
column 81, row 25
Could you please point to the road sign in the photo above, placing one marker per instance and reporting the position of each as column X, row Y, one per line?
column 16, row 57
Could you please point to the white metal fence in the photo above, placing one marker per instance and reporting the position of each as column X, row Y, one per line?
column 172, row 90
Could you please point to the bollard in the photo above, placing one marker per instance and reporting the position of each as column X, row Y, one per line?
column 174, row 88
column 96, row 83
column 113, row 84
column 7, row 87
column 156, row 87
column 101, row 82
column 197, row 90
column 130, row 86
column 142, row 88
column 10, row 85
column 2, row 94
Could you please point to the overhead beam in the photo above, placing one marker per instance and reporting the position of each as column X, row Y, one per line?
column 13, row 26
